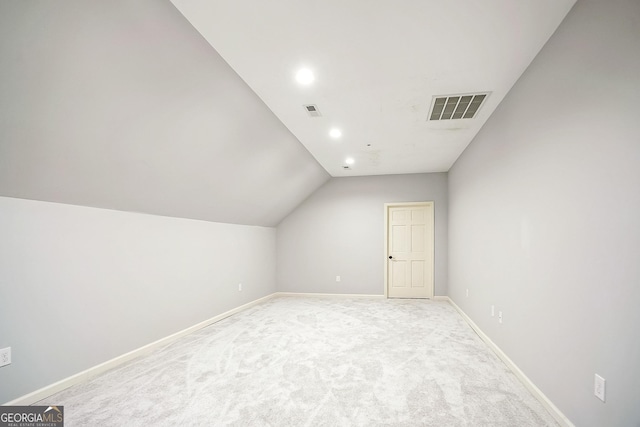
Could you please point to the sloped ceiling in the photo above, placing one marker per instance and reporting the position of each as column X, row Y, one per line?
column 123, row 105
column 377, row 66
column 128, row 105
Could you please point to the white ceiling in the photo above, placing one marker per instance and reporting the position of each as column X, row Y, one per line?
column 124, row 105
column 377, row 65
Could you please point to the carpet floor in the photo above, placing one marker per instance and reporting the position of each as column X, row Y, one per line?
column 307, row 361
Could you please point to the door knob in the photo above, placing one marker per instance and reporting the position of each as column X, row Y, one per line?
column 390, row 257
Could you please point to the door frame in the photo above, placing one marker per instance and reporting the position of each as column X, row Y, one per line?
column 387, row 206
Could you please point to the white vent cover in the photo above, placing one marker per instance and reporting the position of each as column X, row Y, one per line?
column 312, row 110
column 455, row 107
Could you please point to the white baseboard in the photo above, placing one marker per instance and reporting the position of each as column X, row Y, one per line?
column 36, row 396
column 31, row 398
column 553, row 410
column 307, row 294
column 87, row 374
column 321, row 295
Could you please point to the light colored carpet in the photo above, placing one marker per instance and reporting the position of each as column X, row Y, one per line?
column 305, row 361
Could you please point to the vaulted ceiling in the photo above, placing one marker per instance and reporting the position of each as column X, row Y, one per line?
column 123, row 105
column 128, row 105
column 377, row 66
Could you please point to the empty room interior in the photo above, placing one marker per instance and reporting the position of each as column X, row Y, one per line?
column 321, row 213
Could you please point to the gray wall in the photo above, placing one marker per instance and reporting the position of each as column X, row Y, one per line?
column 123, row 105
column 543, row 216
column 79, row 286
column 339, row 231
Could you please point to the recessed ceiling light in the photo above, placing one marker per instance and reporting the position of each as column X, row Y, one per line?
column 335, row 133
column 304, row 76
column 349, row 160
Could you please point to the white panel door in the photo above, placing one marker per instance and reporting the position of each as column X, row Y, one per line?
column 410, row 244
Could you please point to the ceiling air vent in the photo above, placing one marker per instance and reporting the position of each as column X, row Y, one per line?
column 456, row 106
column 312, row 110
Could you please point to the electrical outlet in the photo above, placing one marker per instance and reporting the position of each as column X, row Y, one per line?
column 467, row 293
column 493, row 311
column 337, row 278
column 599, row 387
column 5, row 356
column 500, row 317
column 239, row 287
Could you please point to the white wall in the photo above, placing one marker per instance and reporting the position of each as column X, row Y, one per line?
column 79, row 286
column 339, row 231
column 544, row 217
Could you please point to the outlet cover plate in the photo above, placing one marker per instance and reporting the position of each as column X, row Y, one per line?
column 5, row 356
column 599, row 387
